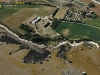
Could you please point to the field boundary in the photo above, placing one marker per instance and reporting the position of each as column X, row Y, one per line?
column 84, row 24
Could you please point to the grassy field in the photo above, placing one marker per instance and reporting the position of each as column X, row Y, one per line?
column 75, row 30
column 93, row 22
column 7, row 12
column 13, row 16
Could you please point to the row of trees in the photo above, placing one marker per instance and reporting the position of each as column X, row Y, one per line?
column 91, row 5
column 55, row 12
column 93, row 15
column 55, row 23
column 36, row 38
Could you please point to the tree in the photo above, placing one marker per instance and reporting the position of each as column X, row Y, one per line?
column 93, row 15
column 91, row 5
column 55, row 23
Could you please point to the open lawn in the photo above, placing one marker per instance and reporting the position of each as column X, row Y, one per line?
column 79, row 31
column 13, row 16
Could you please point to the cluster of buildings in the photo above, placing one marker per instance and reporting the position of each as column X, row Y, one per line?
column 79, row 15
column 40, row 22
column 74, row 16
column 88, row 13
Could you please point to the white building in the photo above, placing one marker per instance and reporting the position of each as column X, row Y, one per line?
column 36, row 20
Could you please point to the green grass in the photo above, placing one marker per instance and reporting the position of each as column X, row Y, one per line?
column 93, row 22
column 9, row 15
column 8, row 11
column 79, row 31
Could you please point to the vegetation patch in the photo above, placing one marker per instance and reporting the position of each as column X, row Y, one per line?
column 35, row 57
column 7, row 11
column 79, row 31
column 93, row 22
column 13, row 16
column 55, row 23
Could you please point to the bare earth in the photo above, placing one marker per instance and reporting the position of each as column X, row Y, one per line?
column 60, row 14
column 65, row 32
column 87, row 60
column 5, row 0
column 12, row 64
column 95, row 9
